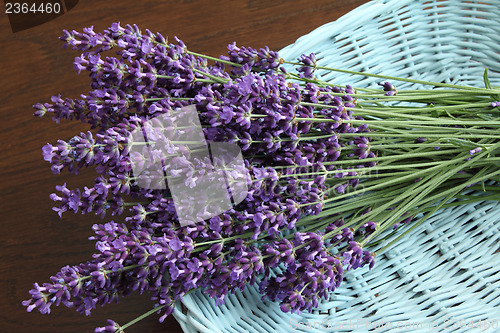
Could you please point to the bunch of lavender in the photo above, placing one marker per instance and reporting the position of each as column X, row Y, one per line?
column 329, row 170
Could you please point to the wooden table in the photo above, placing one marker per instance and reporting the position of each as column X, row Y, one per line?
column 34, row 241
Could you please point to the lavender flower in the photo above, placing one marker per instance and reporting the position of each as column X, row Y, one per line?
column 310, row 62
column 389, row 89
column 306, row 148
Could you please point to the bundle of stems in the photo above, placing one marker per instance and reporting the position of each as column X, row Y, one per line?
column 332, row 172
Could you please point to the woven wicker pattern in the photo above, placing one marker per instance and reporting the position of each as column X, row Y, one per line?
column 444, row 275
column 451, row 41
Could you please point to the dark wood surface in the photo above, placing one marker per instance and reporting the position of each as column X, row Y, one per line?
column 34, row 241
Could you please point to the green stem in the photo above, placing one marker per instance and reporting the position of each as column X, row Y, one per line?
column 394, row 78
column 444, row 203
column 433, row 181
column 396, row 157
column 141, row 317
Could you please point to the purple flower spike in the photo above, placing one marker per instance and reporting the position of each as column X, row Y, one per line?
column 310, row 62
column 388, row 88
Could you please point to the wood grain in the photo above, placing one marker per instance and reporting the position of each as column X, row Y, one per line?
column 35, row 242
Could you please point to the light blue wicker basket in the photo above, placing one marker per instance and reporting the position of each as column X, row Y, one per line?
column 442, row 277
